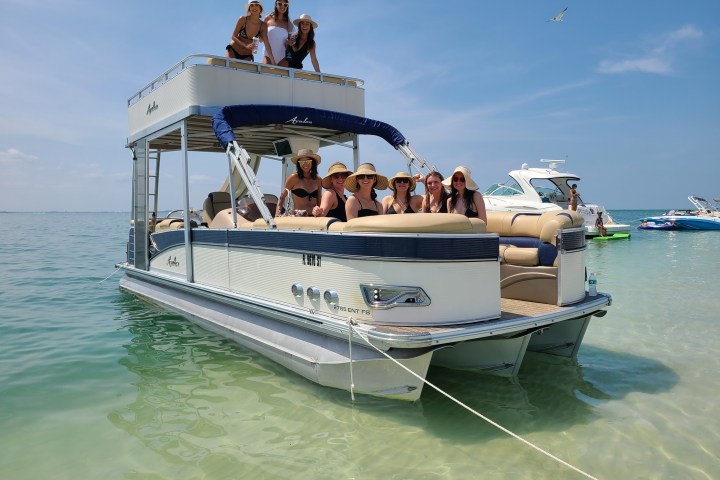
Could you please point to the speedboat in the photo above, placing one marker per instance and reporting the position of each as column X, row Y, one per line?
column 648, row 224
column 706, row 216
column 365, row 305
column 546, row 190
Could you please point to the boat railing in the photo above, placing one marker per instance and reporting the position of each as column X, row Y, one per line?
column 252, row 67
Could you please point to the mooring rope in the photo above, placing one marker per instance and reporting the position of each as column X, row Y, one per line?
column 352, row 324
column 352, row 381
column 101, row 281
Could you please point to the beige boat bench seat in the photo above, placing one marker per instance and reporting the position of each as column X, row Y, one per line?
column 529, row 239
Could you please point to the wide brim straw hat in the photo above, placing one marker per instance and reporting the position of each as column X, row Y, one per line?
column 402, row 175
column 465, row 171
column 254, row 2
column 306, row 153
column 336, row 167
column 366, row 169
column 305, row 18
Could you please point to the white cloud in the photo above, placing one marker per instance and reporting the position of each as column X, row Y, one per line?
column 658, row 55
column 15, row 155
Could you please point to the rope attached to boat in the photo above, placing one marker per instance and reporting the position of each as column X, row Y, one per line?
column 352, row 324
column 116, row 271
column 352, row 381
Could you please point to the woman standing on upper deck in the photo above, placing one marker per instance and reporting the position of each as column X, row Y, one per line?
column 402, row 200
column 302, row 43
column 332, row 203
column 247, row 27
column 435, row 198
column 279, row 28
column 464, row 197
column 363, row 202
column 304, row 185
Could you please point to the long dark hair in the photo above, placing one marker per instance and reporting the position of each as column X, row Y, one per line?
column 408, row 195
column 275, row 14
column 310, row 38
column 467, row 196
column 443, row 192
column 313, row 170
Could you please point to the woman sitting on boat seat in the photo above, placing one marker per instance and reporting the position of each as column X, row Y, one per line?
column 332, row 203
column 435, row 198
column 304, row 185
column 363, row 203
column 247, row 27
column 464, row 197
column 402, row 201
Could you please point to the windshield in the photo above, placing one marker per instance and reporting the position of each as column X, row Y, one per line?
column 548, row 190
column 510, row 187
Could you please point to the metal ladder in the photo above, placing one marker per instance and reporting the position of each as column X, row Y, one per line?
column 153, row 182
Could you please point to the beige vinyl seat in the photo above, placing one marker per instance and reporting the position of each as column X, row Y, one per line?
column 213, row 204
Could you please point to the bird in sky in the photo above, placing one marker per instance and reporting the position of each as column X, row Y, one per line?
column 558, row 17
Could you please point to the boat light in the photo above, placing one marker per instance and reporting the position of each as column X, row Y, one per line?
column 297, row 290
column 331, row 297
column 389, row 296
column 313, row 293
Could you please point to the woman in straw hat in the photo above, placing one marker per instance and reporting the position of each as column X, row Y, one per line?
column 247, row 27
column 304, row 185
column 302, row 44
column 402, row 201
column 279, row 28
column 464, row 197
column 332, row 203
column 436, row 197
column 363, row 203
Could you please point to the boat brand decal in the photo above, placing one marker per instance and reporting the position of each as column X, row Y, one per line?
column 361, row 311
column 296, row 121
column 152, row 108
column 173, row 262
column 312, row 260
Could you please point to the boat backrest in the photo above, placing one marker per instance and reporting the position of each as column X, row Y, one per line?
column 214, row 203
column 417, row 223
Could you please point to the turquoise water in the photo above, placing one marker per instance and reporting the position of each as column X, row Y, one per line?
column 96, row 384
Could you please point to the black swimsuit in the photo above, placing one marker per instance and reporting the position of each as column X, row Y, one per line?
column 339, row 211
column 366, row 212
column 295, row 57
column 391, row 210
column 242, row 33
column 302, row 193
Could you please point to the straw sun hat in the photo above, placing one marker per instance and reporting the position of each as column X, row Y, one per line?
column 336, row 167
column 366, row 169
column 465, row 171
column 306, row 153
column 305, row 18
column 402, row 175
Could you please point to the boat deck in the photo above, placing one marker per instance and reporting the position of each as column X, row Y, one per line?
column 515, row 314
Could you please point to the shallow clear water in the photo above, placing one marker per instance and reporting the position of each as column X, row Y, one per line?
column 96, row 384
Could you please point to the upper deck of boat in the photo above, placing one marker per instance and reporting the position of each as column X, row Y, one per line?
column 199, row 86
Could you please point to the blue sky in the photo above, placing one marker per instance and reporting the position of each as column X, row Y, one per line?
column 627, row 92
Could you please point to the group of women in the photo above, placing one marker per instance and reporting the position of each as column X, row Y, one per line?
column 284, row 46
column 305, row 187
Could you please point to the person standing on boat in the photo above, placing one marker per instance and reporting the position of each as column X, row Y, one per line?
column 435, row 198
column 402, row 201
column 332, row 203
column 279, row 27
column 464, row 197
column 363, row 202
column 574, row 197
column 247, row 27
column 304, row 185
column 302, row 43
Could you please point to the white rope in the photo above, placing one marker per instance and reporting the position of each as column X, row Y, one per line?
column 116, row 270
column 514, row 435
column 352, row 381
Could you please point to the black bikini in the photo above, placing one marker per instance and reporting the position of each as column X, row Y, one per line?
column 242, row 33
column 339, row 211
column 302, row 193
column 391, row 210
column 366, row 212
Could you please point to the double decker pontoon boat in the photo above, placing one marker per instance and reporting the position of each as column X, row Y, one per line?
column 545, row 190
column 344, row 304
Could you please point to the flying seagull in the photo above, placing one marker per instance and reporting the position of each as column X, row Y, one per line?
column 558, row 17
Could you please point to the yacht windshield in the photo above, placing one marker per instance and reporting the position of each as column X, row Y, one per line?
column 548, row 190
column 510, row 187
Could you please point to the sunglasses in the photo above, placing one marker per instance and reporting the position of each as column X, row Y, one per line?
column 459, row 179
column 305, row 161
column 363, row 177
column 335, row 176
column 402, row 180
column 434, row 182
column 281, row 4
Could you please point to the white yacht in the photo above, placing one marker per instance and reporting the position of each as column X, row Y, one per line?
column 365, row 305
column 539, row 190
